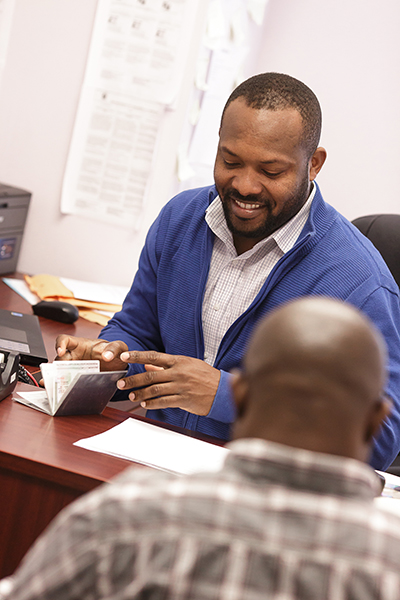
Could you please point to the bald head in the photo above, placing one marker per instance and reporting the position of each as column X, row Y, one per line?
column 313, row 378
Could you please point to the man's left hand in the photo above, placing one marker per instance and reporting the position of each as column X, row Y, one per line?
column 171, row 381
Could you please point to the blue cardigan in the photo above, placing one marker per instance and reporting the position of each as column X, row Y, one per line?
column 162, row 310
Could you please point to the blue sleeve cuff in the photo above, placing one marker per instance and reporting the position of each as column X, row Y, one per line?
column 223, row 408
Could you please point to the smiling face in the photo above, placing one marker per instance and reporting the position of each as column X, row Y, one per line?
column 262, row 171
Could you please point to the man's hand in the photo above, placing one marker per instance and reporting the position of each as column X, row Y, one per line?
column 171, row 381
column 108, row 353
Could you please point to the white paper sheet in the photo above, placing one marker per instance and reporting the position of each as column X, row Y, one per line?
column 154, row 446
column 37, row 399
column 390, row 499
column 134, row 71
column 96, row 292
column 21, row 287
column 256, row 9
column 220, row 65
column 6, row 15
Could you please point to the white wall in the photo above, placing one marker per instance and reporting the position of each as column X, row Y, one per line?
column 347, row 51
column 39, row 93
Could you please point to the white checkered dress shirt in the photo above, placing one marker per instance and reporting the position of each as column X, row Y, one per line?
column 234, row 281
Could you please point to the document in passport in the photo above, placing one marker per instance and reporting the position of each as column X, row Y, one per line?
column 75, row 387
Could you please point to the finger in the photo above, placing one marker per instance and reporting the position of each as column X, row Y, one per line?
column 151, row 357
column 161, row 402
column 113, row 350
column 156, row 396
column 146, row 379
column 62, row 343
column 150, row 393
column 62, row 352
column 153, row 368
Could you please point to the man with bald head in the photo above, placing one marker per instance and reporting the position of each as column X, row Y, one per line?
column 291, row 513
column 313, row 376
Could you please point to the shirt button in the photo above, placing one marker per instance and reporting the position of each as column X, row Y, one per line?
column 216, row 306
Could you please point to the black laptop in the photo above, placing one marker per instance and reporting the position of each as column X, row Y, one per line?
column 21, row 333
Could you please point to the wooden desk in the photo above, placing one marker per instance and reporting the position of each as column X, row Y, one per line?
column 40, row 470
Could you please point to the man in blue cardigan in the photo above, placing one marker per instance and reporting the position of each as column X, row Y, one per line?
column 219, row 258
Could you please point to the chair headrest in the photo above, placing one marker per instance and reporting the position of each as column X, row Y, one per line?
column 384, row 232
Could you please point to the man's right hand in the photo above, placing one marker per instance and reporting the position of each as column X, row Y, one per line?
column 108, row 353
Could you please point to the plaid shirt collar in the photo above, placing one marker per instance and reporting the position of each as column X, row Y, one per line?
column 302, row 469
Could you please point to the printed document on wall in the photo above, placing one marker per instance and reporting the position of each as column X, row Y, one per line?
column 6, row 14
column 234, row 27
column 133, row 72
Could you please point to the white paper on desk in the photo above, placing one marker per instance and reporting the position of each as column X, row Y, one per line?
column 157, row 447
column 37, row 399
column 390, row 498
column 96, row 292
column 6, row 15
column 21, row 287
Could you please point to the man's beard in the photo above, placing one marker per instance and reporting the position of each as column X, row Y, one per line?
column 272, row 222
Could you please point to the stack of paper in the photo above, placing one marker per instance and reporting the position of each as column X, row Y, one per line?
column 157, row 447
column 390, row 497
column 95, row 302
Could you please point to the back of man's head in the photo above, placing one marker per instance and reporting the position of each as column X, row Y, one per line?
column 313, row 378
column 278, row 91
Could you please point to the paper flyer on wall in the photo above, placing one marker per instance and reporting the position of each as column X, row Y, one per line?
column 233, row 27
column 133, row 72
column 6, row 15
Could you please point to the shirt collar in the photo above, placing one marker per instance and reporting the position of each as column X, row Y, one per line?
column 302, row 469
column 285, row 237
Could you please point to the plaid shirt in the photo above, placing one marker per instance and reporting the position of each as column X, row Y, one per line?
column 234, row 281
column 276, row 522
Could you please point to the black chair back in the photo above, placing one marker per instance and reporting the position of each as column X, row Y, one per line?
column 384, row 232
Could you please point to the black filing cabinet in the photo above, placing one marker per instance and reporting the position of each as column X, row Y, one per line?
column 14, row 204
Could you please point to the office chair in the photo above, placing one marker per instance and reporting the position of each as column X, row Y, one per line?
column 384, row 232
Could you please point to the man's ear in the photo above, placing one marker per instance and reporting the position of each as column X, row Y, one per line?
column 240, row 392
column 379, row 412
column 316, row 162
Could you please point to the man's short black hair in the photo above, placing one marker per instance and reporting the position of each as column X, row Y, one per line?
column 277, row 91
